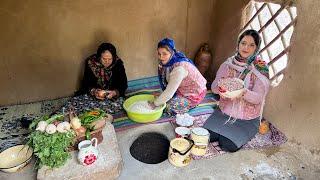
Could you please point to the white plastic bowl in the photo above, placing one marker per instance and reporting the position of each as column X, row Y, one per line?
column 184, row 120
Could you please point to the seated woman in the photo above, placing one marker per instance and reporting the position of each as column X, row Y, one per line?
column 105, row 79
column 104, row 75
column 183, row 85
column 237, row 120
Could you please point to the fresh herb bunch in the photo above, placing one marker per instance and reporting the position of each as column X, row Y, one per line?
column 46, row 118
column 51, row 149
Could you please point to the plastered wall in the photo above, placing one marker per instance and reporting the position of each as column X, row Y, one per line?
column 226, row 22
column 44, row 42
column 294, row 106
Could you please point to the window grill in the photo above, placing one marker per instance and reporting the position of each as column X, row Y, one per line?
column 275, row 23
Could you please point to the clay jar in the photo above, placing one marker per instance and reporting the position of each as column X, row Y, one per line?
column 203, row 58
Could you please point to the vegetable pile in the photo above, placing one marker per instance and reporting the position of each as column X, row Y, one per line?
column 50, row 140
column 52, row 136
column 92, row 120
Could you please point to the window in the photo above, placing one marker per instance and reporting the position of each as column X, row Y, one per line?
column 275, row 24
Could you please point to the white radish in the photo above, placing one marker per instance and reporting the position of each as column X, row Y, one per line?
column 51, row 128
column 42, row 126
column 63, row 127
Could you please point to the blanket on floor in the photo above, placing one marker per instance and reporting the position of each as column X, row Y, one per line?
column 274, row 137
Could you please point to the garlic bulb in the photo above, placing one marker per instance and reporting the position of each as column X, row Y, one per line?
column 42, row 126
column 63, row 127
column 51, row 128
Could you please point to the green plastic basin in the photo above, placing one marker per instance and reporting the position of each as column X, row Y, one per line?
column 142, row 117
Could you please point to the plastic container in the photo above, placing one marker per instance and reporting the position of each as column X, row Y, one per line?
column 142, row 117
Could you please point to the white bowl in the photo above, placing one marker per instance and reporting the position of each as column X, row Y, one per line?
column 233, row 94
column 184, row 120
column 182, row 132
column 15, row 158
column 236, row 93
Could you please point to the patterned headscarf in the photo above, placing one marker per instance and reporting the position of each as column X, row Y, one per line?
column 176, row 57
column 254, row 59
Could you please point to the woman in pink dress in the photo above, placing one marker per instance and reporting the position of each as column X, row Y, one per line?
column 236, row 121
column 183, row 85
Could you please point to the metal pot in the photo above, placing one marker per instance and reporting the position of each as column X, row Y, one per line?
column 200, row 136
column 179, row 151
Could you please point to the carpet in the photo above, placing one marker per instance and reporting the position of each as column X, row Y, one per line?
column 151, row 85
column 274, row 137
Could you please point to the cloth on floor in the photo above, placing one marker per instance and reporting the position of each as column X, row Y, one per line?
column 86, row 102
column 238, row 131
column 13, row 126
column 13, row 133
column 273, row 138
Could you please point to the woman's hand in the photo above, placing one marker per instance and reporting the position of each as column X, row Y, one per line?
column 151, row 104
column 100, row 94
column 222, row 95
column 93, row 92
column 221, row 92
column 111, row 94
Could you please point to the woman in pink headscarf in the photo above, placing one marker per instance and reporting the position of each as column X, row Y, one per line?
column 237, row 120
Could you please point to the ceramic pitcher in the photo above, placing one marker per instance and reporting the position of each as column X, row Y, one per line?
column 88, row 152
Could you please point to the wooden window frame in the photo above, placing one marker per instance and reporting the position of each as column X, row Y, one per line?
column 284, row 6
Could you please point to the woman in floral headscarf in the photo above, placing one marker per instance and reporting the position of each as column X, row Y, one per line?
column 104, row 75
column 183, row 85
column 237, row 120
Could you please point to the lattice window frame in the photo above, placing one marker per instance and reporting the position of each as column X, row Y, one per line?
column 275, row 77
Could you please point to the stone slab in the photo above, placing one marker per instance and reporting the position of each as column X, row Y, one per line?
column 108, row 165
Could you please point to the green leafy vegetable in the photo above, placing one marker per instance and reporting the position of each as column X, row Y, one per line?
column 90, row 116
column 88, row 135
column 46, row 118
column 58, row 117
column 51, row 149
